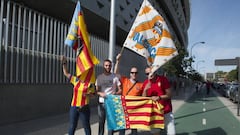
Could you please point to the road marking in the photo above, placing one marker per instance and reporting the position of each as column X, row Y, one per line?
column 204, row 121
column 204, row 109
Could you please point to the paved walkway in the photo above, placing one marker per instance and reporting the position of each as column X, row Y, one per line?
column 58, row 125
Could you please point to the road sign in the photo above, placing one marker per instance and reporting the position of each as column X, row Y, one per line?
column 226, row 62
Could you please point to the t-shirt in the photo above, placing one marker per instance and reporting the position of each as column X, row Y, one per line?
column 158, row 88
column 108, row 84
column 80, row 92
column 127, row 84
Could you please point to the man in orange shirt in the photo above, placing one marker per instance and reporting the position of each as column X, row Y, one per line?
column 130, row 86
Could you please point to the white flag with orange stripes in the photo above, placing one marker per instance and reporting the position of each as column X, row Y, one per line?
column 150, row 37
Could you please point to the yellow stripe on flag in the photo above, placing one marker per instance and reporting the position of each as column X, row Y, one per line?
column 140, row 118
column 80, row 93
column 145, row 10
column 139, row 110
column 166, row 34
column 165, row 51
column 82, row 27
column 139, row 102
column 91, row 74
column 140, row 126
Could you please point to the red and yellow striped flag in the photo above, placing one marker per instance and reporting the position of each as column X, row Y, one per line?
column 78, row 33
column 82, row 88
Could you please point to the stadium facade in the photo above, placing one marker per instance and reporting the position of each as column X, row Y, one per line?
column 32, row 37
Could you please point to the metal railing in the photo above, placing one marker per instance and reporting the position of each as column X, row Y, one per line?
column 31, row 44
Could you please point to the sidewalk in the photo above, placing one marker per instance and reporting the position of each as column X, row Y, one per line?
column 58, row 125
column 227, row 103
column 179, row 99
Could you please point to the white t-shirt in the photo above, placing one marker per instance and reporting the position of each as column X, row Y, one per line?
column 108, row 84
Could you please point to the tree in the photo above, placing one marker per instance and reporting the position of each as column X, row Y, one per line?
column 178, row 65
column 232, row 75
column 220, row 75
column 196, row 77
column 181, row 65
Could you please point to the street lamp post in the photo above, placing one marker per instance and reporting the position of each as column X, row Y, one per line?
column 112, row 35
column 200, row 69
column 195, row 45
column 203, row 73
column 198, row 63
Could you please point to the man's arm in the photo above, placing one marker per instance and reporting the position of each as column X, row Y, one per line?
column 168, row 94
column 116, row 69
column 119, row 92
column 163, row 97
column 98, row 89
column 167, row 88
column 145, row 89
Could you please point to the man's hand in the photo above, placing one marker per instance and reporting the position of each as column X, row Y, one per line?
column 151, row 75
column 113, row 93
column 102, row 94
column 118, row 57
column 155, row 98
column 148, row 85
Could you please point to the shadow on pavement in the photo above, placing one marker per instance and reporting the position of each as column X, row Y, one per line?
column 213, row 131
column 179, row 117
column 196, row 97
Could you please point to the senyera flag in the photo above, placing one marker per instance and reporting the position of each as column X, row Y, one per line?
column 150, row 37
column 133, row 112
column 82, row 88
column 79, row 40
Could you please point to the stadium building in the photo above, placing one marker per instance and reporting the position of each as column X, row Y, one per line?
column 32, row 34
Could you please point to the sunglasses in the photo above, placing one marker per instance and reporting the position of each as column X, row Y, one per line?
column 149, row 73
column 133, row 72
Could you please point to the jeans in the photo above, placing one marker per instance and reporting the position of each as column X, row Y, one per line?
column 102, row 118
column 80, row 113
column 134, row 132
column 208, row 90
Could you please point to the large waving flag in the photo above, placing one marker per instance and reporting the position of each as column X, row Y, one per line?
column 133, row 112
column 78, row 39
column 150, row 37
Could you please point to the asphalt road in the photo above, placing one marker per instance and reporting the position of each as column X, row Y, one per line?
column 206, row 115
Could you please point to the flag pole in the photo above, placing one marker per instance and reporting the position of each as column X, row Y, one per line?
column 112, row 31
column 122, row 50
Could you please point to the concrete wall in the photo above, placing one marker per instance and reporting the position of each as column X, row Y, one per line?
column 25, row 102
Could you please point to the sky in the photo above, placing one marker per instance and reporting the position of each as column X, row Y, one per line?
column 217, row 23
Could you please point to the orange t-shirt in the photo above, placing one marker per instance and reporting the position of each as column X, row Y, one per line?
column 127, row 84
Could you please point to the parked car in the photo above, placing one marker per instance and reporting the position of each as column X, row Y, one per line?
column 233, row 93
column 220, row 88
column 226, row 90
